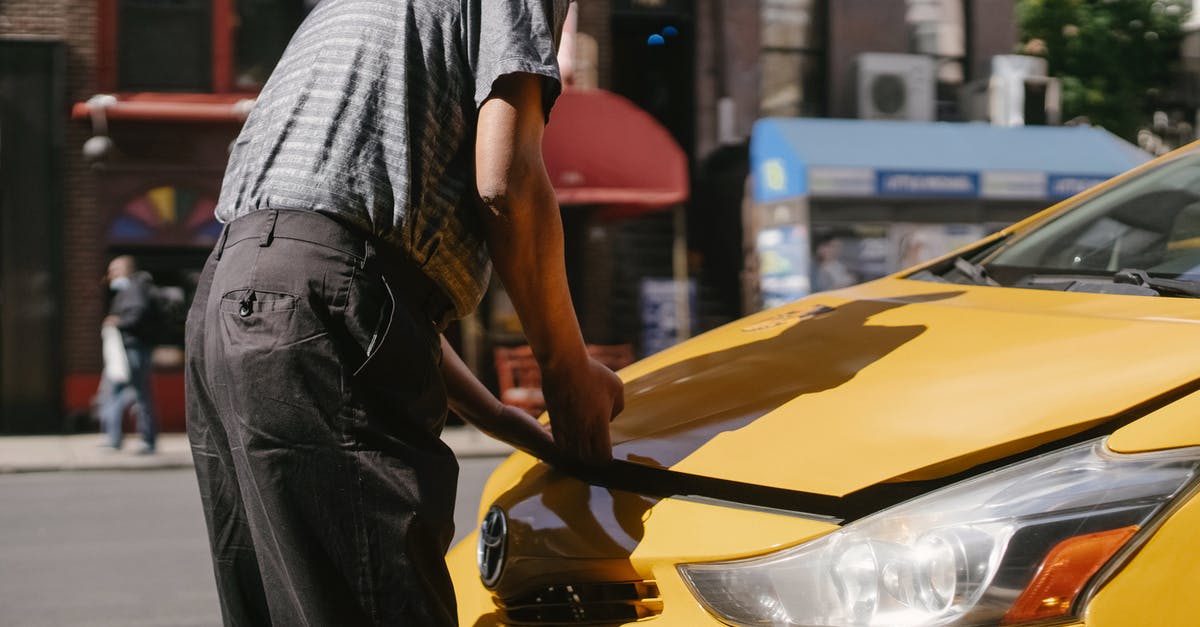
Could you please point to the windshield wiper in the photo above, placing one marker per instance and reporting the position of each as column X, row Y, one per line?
column 974, row 271
column 1165, row 287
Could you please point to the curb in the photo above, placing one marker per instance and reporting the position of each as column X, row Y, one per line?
column 69, row 453
column 124, row 465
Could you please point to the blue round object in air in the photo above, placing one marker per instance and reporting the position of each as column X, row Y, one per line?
column 655, row 40
column 670, row 31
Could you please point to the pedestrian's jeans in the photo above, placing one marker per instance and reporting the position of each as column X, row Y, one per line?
column 115, row 398
column 314, row 409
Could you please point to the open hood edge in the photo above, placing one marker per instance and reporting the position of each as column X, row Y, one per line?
column 663, row 483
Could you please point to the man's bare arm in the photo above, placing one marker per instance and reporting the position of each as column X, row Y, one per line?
column 475, row 404
column 525, row 239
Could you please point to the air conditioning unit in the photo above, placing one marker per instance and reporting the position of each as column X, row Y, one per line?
column 896, row 87
column 1020, row 93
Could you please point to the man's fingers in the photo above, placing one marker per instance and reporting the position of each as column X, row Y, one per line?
column 599, row 457
column 618, row 406
column 600, row 441
column 595, row 452
column 587, row 440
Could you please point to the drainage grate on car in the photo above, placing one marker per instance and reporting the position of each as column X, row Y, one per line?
column 583, row 604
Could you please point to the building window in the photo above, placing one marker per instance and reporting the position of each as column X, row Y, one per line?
column 165, row 45
column 793, row 58
column 938, row 28
column 195, row 45
column 263, row 29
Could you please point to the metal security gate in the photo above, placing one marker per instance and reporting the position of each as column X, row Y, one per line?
column 32, row 121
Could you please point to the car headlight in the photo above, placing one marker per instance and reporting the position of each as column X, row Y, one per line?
column 1012, row 546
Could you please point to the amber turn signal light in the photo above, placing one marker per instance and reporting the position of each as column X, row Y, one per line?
column 1064, row 572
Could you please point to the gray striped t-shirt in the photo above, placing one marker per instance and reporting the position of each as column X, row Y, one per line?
column 370, row 116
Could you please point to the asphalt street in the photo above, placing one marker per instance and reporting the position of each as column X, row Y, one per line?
column 124, row 548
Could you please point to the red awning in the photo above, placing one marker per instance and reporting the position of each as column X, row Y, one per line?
column 162, row 107
column 601, row 149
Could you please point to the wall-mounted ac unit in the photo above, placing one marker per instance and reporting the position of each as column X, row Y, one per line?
column 896, row 87
column 1020, row 93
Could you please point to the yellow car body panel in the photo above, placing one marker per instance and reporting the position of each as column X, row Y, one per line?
column 472, row 598
column 1156, row 586
column 885, row 383
column 674, row 529
column 1175, row 425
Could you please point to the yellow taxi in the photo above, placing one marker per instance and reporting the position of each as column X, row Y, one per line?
column 1006, row 436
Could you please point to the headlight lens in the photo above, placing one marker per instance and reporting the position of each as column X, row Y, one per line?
column 1012, row 546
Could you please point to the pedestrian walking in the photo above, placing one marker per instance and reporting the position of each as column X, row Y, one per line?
column 393, row 157
column 126, row 383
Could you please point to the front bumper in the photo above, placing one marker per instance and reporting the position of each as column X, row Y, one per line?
column 670, row 532
column 477, row 607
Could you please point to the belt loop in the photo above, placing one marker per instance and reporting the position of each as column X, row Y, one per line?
column 221, row 241
column 268, row 233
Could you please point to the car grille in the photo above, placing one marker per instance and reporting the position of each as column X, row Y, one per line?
column 583, row 604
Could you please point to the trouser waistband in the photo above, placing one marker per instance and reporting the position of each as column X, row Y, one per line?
column 409, row 283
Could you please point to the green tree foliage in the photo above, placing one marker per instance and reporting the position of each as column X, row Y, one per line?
column 1115, row 58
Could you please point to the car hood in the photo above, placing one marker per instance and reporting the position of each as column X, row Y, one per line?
column 901, row 380
column 835, row 407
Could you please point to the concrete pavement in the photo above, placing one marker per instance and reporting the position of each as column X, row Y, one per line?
column 42, row 453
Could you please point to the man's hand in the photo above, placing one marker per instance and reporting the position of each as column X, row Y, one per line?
column 110, row 321
column 582, row 400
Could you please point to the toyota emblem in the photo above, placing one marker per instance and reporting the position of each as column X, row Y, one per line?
column 493, row 542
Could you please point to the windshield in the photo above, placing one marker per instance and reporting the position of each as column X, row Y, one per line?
column 1145, row 231
column 1150, row 223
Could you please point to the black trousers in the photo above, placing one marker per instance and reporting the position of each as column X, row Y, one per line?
column 314, row 409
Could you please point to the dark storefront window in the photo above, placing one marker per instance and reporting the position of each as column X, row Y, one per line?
column 793, row 58
column 201, row 45
column 165, row 45
column 263, row 29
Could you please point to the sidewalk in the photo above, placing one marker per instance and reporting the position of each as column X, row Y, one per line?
column 42, row 453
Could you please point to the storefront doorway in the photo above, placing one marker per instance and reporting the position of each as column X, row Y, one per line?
column 32, row 90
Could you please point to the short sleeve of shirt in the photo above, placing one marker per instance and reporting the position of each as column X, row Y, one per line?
column 519, row 36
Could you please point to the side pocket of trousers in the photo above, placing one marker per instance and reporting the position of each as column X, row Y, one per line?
column 398, row 381
column 383, row 327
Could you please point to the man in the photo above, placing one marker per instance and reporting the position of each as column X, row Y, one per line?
column 392, row 158
column 131, row 313
column 831, row 273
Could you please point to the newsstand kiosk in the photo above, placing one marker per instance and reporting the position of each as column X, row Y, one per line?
column 838, row 202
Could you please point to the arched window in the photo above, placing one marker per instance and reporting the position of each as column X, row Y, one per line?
column 167, row 215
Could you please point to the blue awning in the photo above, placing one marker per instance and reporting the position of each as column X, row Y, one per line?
column 834, row 158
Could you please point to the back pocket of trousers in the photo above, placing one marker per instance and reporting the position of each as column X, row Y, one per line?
column 283, row 373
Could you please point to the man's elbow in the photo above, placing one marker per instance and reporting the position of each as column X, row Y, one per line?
column 494, row 201
column 504, row 191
